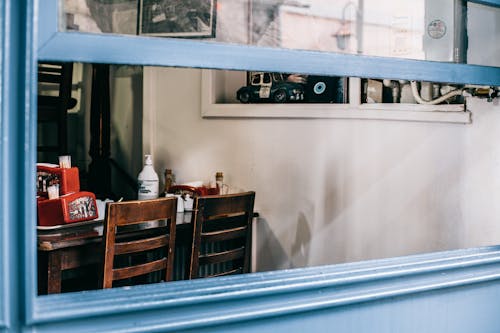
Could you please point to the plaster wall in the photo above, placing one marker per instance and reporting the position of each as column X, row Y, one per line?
column 483, row 30
column 331, row 191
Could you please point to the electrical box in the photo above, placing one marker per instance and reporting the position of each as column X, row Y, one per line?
column 445, row 31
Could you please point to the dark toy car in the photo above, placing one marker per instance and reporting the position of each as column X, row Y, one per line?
column 270, row 87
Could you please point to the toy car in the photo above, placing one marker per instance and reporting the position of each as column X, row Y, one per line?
column 270, row 87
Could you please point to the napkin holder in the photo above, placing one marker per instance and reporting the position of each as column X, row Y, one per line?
column 69, row 208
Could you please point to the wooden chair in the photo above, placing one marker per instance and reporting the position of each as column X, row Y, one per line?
column 128, row 253
column 222, row 230
column 56, row 77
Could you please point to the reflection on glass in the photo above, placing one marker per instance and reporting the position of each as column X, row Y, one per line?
column 422, row 29
column 101, row 16
column 177, row 18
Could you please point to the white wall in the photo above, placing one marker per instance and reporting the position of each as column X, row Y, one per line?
column 331, row 191
column 483, row 29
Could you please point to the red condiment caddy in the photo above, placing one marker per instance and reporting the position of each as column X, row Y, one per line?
column 69, row 208
column 48, row 174
column 72, row 205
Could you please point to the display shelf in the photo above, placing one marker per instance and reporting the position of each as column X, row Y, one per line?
column 218, row 91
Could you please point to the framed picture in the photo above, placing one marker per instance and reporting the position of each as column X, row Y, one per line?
column 177, row 18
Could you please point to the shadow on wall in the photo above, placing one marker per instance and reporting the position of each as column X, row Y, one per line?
column 301, row 247
column 271, row 255
column 404, row 203
column 126, row 129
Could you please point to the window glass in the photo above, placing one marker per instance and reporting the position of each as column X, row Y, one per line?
column 266, row 78
column 316, row 182
column 424, row 29
column 255, row 79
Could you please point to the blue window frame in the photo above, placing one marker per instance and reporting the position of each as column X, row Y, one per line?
column 493, row 3
column 3, row 203
column 391, row 293
column 17, row 58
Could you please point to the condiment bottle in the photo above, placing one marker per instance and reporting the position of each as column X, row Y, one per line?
column 219, row 177
column 169, row 180
column 148, row 181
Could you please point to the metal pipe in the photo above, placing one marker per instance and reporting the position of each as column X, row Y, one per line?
column 441, row 99
column 359, row 25
column 460, row 39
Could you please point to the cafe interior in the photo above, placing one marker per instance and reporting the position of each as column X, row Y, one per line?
column 163, row 174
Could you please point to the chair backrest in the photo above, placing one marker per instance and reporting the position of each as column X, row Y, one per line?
column 222, row 230
column 129, row 253
column 52, row 108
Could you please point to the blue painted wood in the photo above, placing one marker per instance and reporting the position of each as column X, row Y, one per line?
column 494, row 3
column 375, row 289
column 435, row 312
column 17, row 149
column 48, row 11
column 187, row 293
column 109, row 48
column 28, row 123
column 187, row 53
column 13, row 101
column 4, row 212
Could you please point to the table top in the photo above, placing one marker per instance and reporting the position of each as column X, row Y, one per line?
column 75, row 234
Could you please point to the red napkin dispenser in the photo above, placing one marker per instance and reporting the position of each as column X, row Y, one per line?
column 67, row 178
column 70, row 208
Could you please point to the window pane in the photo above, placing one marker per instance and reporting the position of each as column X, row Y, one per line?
column 350, row 175
column 423, row 29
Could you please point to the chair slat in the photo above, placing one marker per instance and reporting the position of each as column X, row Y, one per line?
column 226, row 216
column 213, row 258
column 139, row 212
column 233, row 204
column 141, row 245
column 221, row 235
column 50, row 65
column 50, row 78
column 58, row 70
column 238, row 270
column 127, row 272
column 225, row 223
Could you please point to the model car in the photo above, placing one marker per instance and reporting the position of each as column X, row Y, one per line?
column 270, row 87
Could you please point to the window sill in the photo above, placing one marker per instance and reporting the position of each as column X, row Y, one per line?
column 203, row 303
column 327, row 111
column 452, row 113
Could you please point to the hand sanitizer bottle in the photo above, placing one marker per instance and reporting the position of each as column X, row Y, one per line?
column 148, row 181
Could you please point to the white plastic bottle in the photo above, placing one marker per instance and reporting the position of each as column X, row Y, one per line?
column 148, row 181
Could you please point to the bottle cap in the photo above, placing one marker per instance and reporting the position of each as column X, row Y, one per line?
column 219, row 174
column 148, row 160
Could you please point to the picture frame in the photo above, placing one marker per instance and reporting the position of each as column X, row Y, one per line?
column 177, row 18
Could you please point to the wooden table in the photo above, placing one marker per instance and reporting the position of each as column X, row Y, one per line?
column 78, row 245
